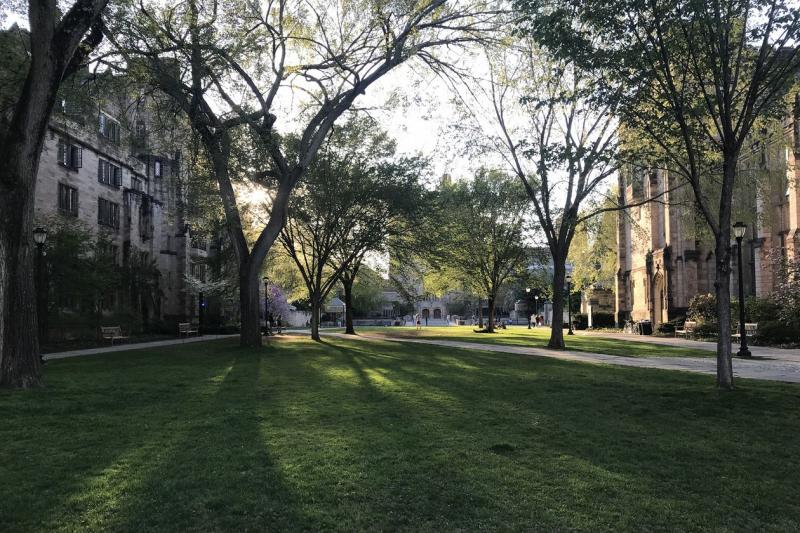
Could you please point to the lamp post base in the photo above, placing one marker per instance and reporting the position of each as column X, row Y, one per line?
column 744, row 353
column 570, row 332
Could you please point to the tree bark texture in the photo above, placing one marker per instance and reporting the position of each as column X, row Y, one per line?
column 52, row 46
column 557, row 322
column 347, row 283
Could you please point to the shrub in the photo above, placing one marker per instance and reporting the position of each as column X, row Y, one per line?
column 777, row 332
column 708, row 328
column 703, row 308
column 603, row 320
column 760, row 309
column 580, row 321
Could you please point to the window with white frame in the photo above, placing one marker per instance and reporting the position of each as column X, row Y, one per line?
column 107, row 213
column 109, row 128
column 69, row 155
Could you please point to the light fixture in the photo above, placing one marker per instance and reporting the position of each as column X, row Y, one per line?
column 569, row 278
column 39, row 236
column 528, row 290
column 739, row 229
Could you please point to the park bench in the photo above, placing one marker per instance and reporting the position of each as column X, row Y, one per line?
column 112, row 333
column 687, row 330
column 186, row 329
column 750, row 329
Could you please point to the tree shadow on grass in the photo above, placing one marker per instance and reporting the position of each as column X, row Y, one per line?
column 636, row 448
column 218, row 473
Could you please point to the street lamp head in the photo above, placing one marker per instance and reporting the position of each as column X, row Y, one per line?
column 265, row 279
column 528, row 290
column 39, row 236
column 739, row 230
column 569, row 278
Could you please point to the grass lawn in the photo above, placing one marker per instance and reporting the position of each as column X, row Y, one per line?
column 380, row 435
column 538, row 337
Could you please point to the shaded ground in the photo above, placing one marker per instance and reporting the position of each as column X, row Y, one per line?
column 538, row 337
column 379, row 435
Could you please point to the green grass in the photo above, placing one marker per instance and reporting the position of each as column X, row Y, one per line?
column 380, row 435
column 538, row 338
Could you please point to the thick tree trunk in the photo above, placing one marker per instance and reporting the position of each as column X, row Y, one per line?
column 249, row 306
column 347, row 283
column 557, row 322
column 480, row 313
column 52, row 46
column 490, row 318
column 315, row 308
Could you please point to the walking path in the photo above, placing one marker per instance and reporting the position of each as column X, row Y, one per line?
column 778, row 354
column 785, row 366
column 770, row 370
column 132, row 346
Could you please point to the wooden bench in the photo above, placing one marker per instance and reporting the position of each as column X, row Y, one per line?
column 687, row 330
column 113, row 333
column 750, row 330
column 187, row 328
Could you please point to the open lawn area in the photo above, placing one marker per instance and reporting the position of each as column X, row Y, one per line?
column 537, row 338
column 379, row 435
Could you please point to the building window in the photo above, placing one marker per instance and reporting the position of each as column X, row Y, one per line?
column 109, row 128
column 110, row 252
column 137, row 184
column 109, row 173
column 69, row 155
column 141, row 129
column 67, row 200
column 157, row 170
column 107, row 213
column 199, row 271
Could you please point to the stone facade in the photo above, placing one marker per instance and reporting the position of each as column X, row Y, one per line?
column 665, row 255
column 108, row 168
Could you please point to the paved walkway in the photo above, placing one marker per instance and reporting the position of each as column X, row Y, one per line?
column 133, row 346
column 779, row 354
column 784, row 367
column 770, row 370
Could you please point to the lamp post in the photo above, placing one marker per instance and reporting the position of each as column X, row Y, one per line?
column 569, row 304
column 40, row 238
column 739, row 230
column 266, row 305
column 527, row 302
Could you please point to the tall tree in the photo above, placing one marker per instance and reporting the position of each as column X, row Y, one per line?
column 353, row 199
column 694, row 77
column 56, row 48
column 247, row 64
column 537, row 112
column 482, row 223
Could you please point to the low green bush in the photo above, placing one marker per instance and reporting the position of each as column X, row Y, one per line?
column 603, row 320
column 776, row 332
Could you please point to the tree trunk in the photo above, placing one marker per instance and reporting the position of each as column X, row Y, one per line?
column 490, row 318
column 52, row 46
column 557, row 323
column 347, row 283
column 249, row 306
column 722, row 280
column 480, row 313
column 315, row 308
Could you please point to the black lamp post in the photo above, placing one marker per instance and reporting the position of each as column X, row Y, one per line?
column 40, row 238
column 739, row 230
column 569, row 304
column 527, row 303
column 266, row 305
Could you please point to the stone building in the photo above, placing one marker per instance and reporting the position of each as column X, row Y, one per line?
column 665, row 253
column 108, row 163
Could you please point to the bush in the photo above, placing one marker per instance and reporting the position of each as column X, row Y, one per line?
column 703, row 308
column 709, row 328
column 580, row 321
column 603, row 320
column 760, row 309
column 776, row 332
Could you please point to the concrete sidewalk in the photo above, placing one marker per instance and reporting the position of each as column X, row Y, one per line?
column 769, row 370
column 133, row 346
column 778, row 354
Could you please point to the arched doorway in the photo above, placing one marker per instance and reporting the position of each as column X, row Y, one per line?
column 437, row 313
column 426, row 313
